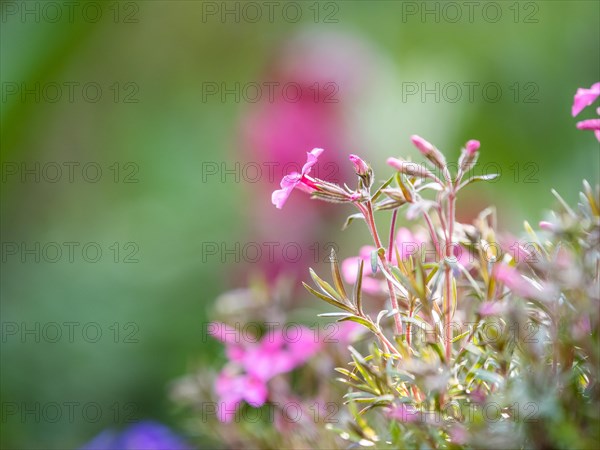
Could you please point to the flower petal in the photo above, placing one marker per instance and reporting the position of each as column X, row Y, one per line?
column 584, row 98
column 311, row 160
column 590, row 124
column 280, row 196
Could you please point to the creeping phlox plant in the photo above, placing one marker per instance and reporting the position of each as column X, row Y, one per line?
column 470, row 339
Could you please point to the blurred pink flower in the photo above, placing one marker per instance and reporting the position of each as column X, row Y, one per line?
column 404, row 413
column 347, row 332
column 309, row 83
column 490, row 309
column 407, row 243
column 458, row 434
column 252, row 364
column 520, row 285
column 297, row 180
column 232, row 389
column 584, row 98
column 350, row 270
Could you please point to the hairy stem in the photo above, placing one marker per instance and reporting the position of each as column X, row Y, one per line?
column 448, row 277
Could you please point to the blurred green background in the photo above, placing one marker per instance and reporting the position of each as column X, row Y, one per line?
column 160, row 53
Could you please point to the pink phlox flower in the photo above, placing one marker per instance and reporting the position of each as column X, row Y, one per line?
column 408, row 243
column 584, row 98
column 280, row 352
column 234, row 347
column 232, row 389
column 297, row 180
column 350, row 265
column 253, row 364
column 520, row 285
column 347, row 332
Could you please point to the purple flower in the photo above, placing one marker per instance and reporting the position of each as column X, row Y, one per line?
column 297, row 180
column 146, row 435
column 584, row 98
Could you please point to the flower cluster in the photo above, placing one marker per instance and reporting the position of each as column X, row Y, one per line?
column 478, row 339
column 514, row 327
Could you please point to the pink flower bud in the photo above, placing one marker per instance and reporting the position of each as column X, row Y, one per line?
column 472, row 146
column 360, row 167
column 425, row 147
column 546, row 226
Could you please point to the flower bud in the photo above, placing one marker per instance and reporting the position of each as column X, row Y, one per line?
column 424, row 146
column 472, row 146
column 360, row 167
column 428, row 150
column 468, row 157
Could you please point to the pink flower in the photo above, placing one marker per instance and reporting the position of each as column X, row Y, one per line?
column 472, row 146
column 230, row 337
column 590, row 124
column 350, row 270
column 232, row 389
column 297, row 180
column 280, row 352
column 490, row 309
column 347, row 332
column 407, row 244
column 584, row 98
column 360, row 167
column 520, row 285
column 252, row 364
